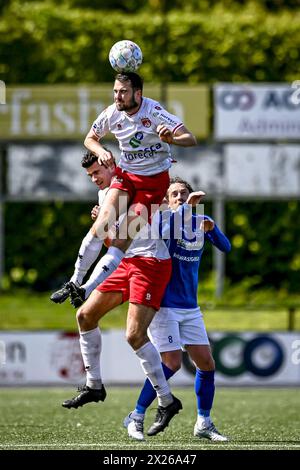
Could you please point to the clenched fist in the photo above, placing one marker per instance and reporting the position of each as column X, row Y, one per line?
column 165, row 134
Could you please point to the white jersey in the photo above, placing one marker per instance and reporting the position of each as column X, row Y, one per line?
column 142, row 151
column 147, row 242
column 101, row 195
column 143, row 244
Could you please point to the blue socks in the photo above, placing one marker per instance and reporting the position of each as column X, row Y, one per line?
column 148, row 394
column 205, row 390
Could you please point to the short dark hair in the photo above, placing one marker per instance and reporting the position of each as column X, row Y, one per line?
column 132, row 77
column 179, row 180
column 88, row 159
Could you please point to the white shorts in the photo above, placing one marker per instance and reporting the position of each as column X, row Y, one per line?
column 174, row 328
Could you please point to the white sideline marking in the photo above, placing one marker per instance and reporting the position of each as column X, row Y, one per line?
column 180, row 447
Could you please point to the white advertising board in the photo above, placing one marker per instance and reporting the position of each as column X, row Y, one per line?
column 47, row 171
column 201, row 166
column 262, row 170
column 268, row 111
column 36, row 358
column 44, row 171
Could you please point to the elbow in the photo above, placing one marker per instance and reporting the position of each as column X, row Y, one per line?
column 194, row 141
column 89, row 141
column 86, row 142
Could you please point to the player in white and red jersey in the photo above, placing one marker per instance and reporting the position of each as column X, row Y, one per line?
column 144, row 131
column 101, row 176
column 142, row 150
column 141, row 277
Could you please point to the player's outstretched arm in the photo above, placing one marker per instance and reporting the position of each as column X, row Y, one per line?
column 182, row 137
column 216, row 236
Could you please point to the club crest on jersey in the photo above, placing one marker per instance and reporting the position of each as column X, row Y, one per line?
column 146, row 122
column 157, row 107
column 119, row 126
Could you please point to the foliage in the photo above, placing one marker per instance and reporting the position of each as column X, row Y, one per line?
column 42, row 248
column 41, row 43
column 136, row 6
column 265, row 244
column 197, row 41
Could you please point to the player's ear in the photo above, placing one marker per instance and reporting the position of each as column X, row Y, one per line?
column 138, row 93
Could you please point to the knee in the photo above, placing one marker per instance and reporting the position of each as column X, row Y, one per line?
column 205, row 362
column 135, row 339
column 208, row 364
column 121, row 243
column 173, row 364
column 84, row 319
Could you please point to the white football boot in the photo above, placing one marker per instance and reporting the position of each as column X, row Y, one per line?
column 209, row 431
column 135, row 427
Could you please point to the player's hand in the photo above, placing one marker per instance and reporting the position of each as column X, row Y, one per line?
column 207, row 225
column 106, row 158
column 95, row 212
column 164, row 134
column 195, row 197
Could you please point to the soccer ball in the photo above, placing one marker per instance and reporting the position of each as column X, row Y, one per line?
column 125, row 56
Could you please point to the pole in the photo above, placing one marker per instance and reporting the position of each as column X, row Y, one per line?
column 218, row 256
column 164, row 45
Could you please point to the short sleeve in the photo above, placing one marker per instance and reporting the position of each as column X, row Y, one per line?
column 101, row 196
column 162, row 116
column 100, row 125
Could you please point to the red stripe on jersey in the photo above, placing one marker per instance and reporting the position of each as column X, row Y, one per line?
column 177, row 127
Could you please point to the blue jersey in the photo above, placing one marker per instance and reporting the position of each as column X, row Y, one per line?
column 186, row 253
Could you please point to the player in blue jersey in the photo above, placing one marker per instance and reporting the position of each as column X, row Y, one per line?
column 179, row 321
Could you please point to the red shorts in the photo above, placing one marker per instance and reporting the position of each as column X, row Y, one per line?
column 141, row 280
column 143, row 190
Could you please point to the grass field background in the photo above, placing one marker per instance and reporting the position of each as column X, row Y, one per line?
column 33, row 418
column 23, row 310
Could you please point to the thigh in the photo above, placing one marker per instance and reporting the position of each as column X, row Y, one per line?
column 117, row 282
column 99, row 303
column 139, row 318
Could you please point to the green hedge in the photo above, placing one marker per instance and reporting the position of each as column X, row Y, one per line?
column 43, row 239
column 53, row 43
column 265, row 243
column 46, row 43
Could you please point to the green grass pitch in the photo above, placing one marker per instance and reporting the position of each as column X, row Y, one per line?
column 253, row 418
